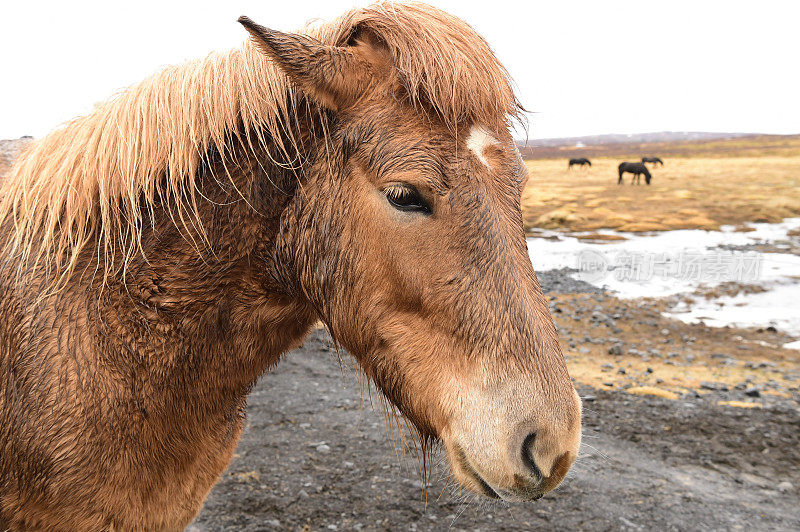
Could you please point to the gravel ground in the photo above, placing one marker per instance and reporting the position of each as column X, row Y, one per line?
column 315, row 456
column 561, row 282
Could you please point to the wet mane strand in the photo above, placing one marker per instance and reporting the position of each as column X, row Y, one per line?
column 85, row 182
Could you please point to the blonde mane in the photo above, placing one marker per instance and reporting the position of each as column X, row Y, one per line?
column 85, row 182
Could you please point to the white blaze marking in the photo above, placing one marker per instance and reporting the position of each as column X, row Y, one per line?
column 479, row 139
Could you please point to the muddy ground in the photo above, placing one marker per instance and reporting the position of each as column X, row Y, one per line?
column 314, row 457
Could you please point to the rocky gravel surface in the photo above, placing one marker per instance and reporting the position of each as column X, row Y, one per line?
column 561, row 281
column 314, row 457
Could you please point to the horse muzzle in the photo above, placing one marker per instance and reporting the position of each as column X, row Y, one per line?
column 515, row 450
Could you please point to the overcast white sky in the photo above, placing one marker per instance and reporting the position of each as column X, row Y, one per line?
column 584, row 67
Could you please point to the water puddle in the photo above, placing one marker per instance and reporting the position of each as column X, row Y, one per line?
column 757, row 272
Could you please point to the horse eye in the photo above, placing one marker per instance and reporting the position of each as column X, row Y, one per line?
column 406, row 198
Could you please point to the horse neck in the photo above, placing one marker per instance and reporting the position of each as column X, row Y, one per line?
column 209, row 306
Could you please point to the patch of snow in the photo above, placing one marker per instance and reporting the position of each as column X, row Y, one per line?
column 792, row 345
column 664, row 268
column 777, row 307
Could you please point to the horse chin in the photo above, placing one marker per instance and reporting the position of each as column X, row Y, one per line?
column 469, row 478
column 465, row 473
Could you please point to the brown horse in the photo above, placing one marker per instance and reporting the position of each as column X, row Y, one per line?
column 162, row 252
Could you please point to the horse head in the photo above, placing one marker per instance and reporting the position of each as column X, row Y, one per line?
column 406, row 235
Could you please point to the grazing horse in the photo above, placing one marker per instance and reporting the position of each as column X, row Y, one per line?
column 653, row 160
column 162, row 252
column 637, row 169
column 580, row 162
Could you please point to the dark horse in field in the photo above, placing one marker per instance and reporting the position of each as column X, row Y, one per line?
column 637, row 169
column 652, row 160
column 162, row 252
column 581, row 161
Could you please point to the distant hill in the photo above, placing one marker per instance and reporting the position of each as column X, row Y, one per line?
column 10, row 150
column 622, row 138
column 668, row 143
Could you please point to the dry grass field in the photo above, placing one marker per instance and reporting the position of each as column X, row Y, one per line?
column 702, row 185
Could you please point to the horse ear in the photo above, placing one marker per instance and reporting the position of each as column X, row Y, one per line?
column 333, row 76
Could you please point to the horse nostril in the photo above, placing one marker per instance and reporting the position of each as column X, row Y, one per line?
column 528, row 457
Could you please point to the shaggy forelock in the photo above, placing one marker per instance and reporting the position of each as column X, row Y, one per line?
column 440, row 59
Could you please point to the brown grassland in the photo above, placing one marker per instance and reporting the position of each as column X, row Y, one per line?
column 702, row 185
